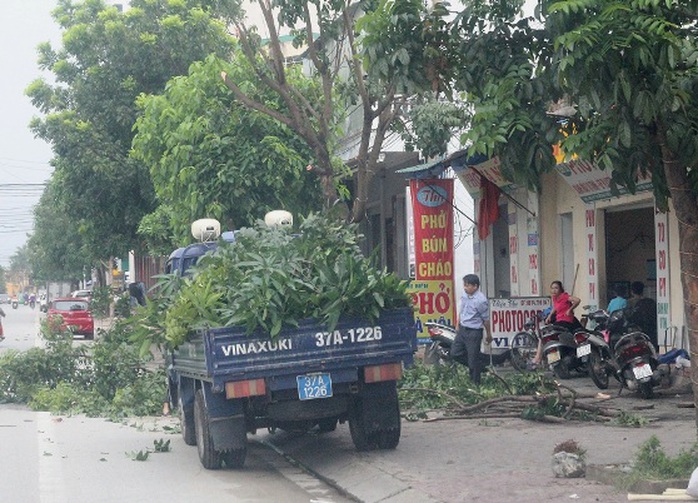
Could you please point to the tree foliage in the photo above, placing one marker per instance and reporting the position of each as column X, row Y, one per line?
column 369, row 67
column 55, row 249
column 210, row 156
column 106, row 60
column 629, row 68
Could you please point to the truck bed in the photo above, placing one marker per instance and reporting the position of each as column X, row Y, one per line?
column 223, row 355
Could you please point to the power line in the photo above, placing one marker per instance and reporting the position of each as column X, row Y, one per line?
column 22, row 160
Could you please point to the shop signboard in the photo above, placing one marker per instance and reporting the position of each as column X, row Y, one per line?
column 432, row 290
column 507, row 317
column 594, row 184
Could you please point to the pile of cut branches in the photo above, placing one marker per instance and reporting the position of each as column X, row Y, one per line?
column 438, row 393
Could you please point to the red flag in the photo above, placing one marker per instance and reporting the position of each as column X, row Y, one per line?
column 489, row 207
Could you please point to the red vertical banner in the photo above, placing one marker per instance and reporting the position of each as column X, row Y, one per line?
column 433, row 288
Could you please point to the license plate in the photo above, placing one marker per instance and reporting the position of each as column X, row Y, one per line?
column 312, row 386
column 583, row 350
column 553, row 356
column 642, row 371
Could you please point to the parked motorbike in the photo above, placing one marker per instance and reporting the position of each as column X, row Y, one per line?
column 635, row 363
column 560, row 351
column 594, row 353
column 43, row 304
column 439, row 349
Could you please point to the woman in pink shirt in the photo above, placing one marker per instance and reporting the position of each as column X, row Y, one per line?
column 563, row 307
column 561, row 314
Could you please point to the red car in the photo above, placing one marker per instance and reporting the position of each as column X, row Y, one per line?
column 76, row 315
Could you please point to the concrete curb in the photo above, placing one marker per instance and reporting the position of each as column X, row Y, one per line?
column 612, row 474
column 356, row 479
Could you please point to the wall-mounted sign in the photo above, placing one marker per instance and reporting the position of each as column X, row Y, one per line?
column 592, row 183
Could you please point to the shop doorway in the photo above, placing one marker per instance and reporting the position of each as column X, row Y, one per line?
column 630, row 251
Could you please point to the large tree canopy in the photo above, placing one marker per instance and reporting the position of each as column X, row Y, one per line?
column 399, row 59
column 211, row 156
column 106, row 60
column 630, row 69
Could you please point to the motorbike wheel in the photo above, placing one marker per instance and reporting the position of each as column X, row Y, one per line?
column 647, row 390
column 562, row 370
column 436, row 355
column 597, row 370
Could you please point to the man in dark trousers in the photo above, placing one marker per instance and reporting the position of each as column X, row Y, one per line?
column 643, row 312
column 473, row 317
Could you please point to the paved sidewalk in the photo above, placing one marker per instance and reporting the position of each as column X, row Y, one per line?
column 490, row 461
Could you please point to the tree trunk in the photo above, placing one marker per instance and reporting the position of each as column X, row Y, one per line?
column 686, row 208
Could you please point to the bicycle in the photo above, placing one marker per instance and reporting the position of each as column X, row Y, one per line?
column 524, row 346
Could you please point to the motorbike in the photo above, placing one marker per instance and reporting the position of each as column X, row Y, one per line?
column 594, row 351
column 439, row 349
column 560, row 351
column 32, row 303
column 43, row 304
column 634, row 360
column 15, row 303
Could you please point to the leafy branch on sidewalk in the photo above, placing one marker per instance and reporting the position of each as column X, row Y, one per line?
column 439, row 393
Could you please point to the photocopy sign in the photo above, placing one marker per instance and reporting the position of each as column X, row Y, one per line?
column 507, row 317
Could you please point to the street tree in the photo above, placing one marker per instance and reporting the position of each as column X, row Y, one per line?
column 55, row 248
column 630, row 69
column 370, row 56
column 209, row 155
column 107, row 59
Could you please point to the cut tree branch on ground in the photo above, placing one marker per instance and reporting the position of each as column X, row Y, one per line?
column 509, row 406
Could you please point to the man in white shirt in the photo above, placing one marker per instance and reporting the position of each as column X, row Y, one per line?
column 473, row 317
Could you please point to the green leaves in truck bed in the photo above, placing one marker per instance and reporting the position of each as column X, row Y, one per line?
column 270, row 279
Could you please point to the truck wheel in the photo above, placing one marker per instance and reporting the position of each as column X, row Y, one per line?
column 209, row 457
column 186, row 422
column 234, row 458
column 389, row 438
column 357, row 427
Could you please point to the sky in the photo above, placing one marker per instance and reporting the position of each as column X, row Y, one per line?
column 24, row 160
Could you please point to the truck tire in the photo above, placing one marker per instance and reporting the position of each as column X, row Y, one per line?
column 389, row 438
column 209, row 457
column 357, row 427
column 234, row 458
column 186, row 422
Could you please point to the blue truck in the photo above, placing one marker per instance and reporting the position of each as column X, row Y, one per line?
column 228, row 383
